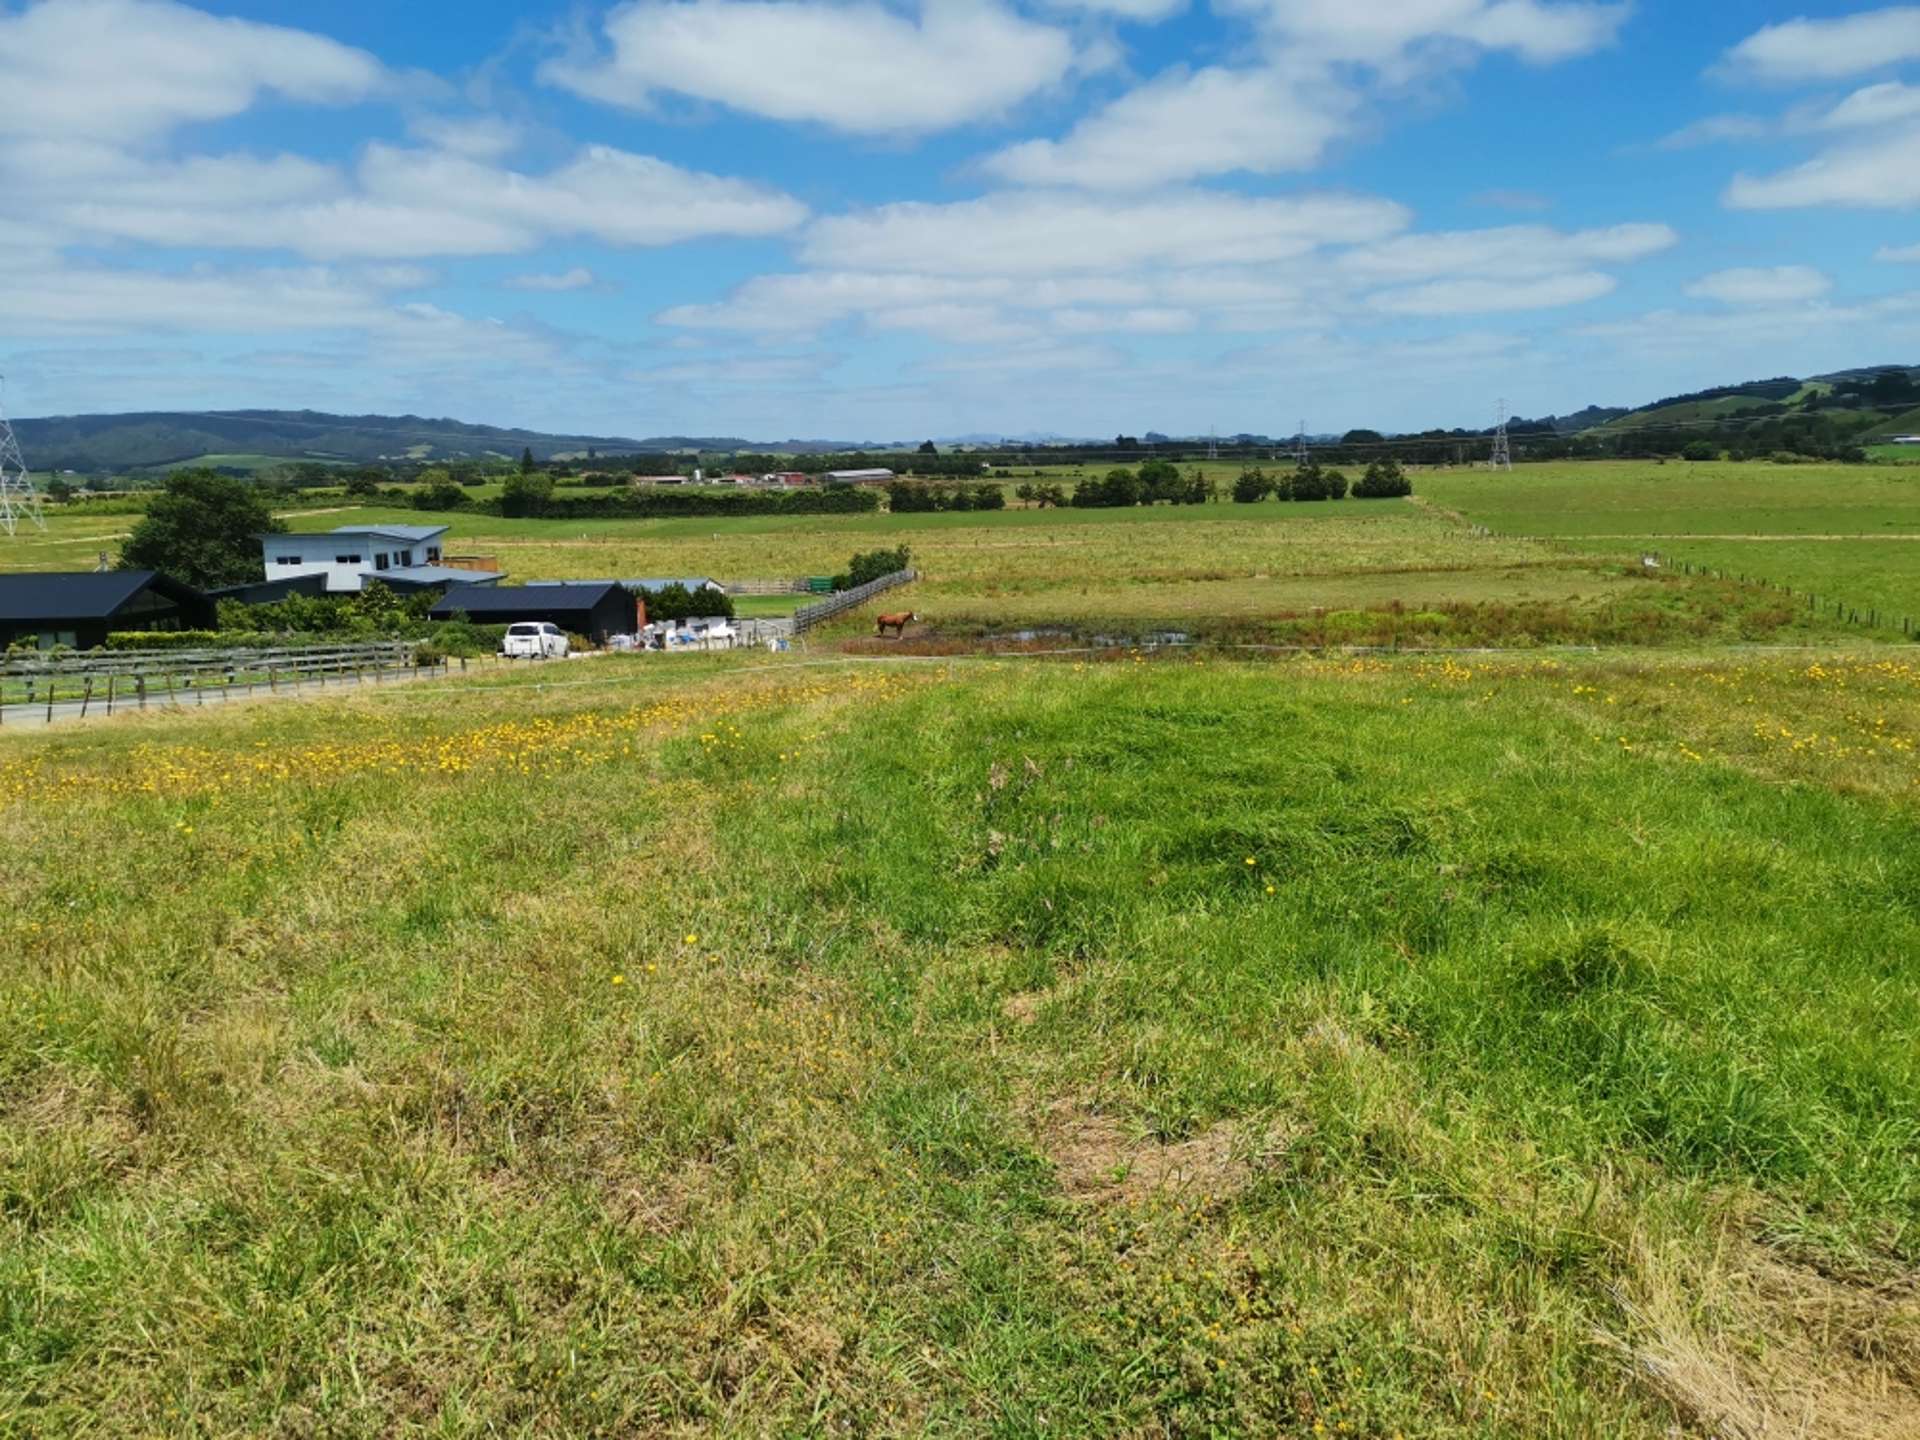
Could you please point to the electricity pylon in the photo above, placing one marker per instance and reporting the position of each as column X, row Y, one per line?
column 19, row 501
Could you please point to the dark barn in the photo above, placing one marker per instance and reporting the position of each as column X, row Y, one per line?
column 594, row 610
column 81, row 608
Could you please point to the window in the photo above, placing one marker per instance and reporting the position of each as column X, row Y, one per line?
column 286, row 559
column 380, row 562
column 404, row 558
column 433, row 554
column 346, row 559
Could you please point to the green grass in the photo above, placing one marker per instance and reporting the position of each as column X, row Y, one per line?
column 723, row 1048
column 1831, row 530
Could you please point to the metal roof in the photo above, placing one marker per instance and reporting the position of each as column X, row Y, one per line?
column 393, row 532
column 80, row 594
column 479, row 600
column 438, row 575
column 692, row 582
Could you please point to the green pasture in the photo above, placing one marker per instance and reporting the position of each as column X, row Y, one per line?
column 721, row 1046
column 1844, row 532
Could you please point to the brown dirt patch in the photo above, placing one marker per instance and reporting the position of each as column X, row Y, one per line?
column 1097, row 1158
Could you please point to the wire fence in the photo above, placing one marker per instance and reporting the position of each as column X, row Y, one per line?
column 43, row 688
column 1872, row 617
column 807, row 616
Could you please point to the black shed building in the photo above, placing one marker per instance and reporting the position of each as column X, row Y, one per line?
column 594, row 610
column 80, row 608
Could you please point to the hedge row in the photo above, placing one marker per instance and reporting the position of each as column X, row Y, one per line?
column 651, row 503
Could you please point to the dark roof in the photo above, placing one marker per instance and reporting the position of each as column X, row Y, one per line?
column 436, row 575
column 478, row 600
column 82, row 594
column 649, row 584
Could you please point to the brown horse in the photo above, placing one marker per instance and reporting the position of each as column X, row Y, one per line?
column 896, row 623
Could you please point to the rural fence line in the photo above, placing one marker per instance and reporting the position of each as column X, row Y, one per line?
column 1869, row 616
column 765, row 587
column 807, row 616
column 43, row 688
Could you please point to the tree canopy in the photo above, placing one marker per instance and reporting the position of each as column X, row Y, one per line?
column 204, row 529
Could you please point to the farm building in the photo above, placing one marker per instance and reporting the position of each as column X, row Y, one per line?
column 641, row 588
column 859, row 477
column 81, row 608
column 1905, row 440
column 595, row 609
column 405, row 557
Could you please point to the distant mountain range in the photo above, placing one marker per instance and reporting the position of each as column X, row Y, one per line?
column 1872, row 402
column 151, row 439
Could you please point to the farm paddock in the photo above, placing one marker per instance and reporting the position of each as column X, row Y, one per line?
column 1438, row 1048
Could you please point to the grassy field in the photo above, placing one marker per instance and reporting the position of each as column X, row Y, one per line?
column 1560, row 567
column 1845, row 532
column 715, row 1046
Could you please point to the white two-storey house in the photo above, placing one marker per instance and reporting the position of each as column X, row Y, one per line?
column 407, row 557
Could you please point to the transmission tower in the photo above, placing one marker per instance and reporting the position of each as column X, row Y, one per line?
column 1213, row 444
column 18, row 499
column 1300, row 445
column 1502, row 451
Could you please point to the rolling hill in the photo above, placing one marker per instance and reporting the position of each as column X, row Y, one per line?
column 1876, row 400
column 159, row 438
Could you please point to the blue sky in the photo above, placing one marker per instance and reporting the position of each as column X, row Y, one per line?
column 787, row 218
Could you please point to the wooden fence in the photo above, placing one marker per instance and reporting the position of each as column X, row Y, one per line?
column 47, row 686
column 807, row 616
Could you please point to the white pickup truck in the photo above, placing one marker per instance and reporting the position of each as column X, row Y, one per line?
column 530, row 641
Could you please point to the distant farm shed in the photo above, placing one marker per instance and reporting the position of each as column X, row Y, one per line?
column 595, row 610
column 80, row 608
column 859, row 477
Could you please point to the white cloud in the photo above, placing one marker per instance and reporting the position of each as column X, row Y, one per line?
column 131, row 70
column 773, row 304
column 1152, row 320
column 1485, row 297
column 853, row 67
column 478, row 137
column 1878, row 174
column 1029, row 233
column 401, row 203
column 1716, row 129
column 578, row 278
column 741, row 370
column 1183, row 125
column 84, row 300
column 1741, row 333
column 1514, row 252
column 1381, row 32
column 1899, row 255
column 1771, row 285
column 1143, row 11
column 1876, row 105
column 1816, row 50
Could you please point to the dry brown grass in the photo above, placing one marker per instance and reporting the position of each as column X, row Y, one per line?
column 1748, row 1344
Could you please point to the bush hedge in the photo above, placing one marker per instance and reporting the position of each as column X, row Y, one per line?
column 668, row 503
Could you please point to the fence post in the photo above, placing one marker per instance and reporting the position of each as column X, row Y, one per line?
column 51, row 682
column 110, row 678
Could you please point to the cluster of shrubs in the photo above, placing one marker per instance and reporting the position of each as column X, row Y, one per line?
column 677, row 602
column 1384, row 480
column 1042, row 495
column 1156, row 482
column 872, row 565
column 903, row 497
column 532, row 496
